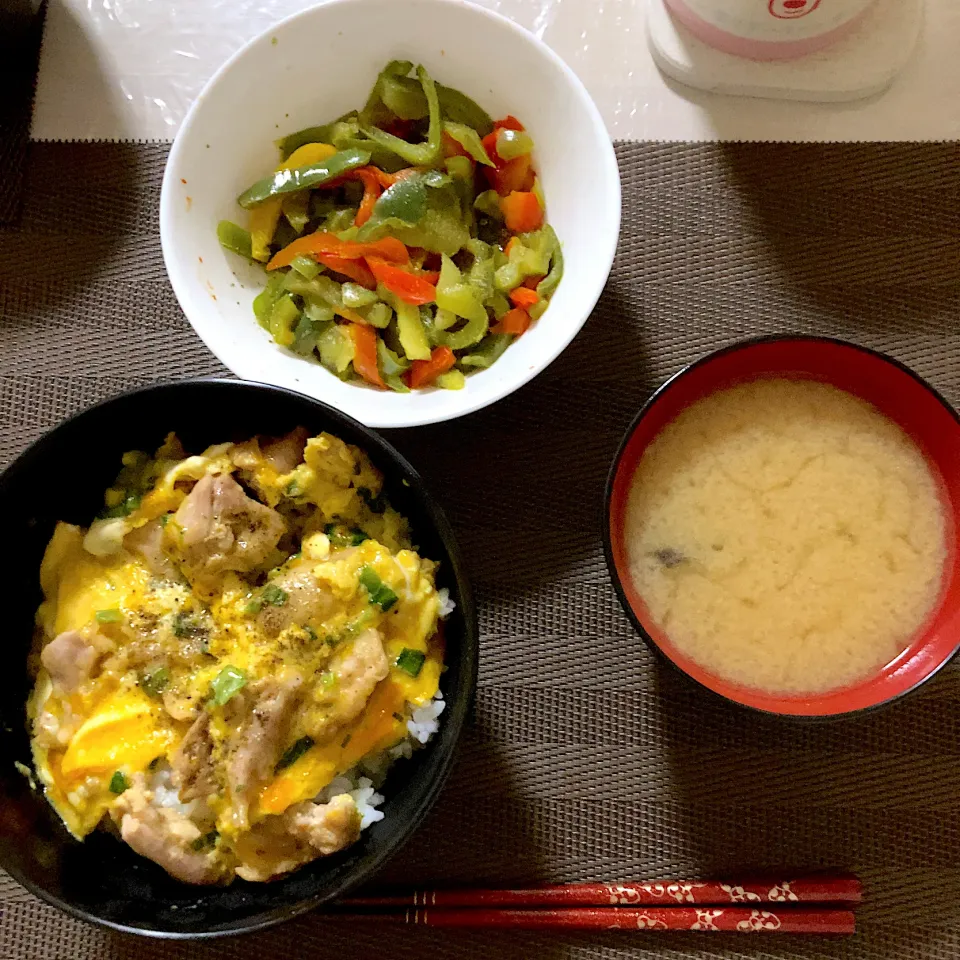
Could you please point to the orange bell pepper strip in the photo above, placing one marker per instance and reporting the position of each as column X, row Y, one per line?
column 365, row 354
column 356, row 270
column 423, row 372
column 521, row 212
column 515, row 321
column 329, row 244
column 533, row 282
column 410, row 287
column 524, row 297
column 371, row 193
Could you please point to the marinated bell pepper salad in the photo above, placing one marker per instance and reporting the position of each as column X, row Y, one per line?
column 404, row 244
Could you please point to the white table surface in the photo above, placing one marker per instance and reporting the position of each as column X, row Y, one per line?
column 129, row 69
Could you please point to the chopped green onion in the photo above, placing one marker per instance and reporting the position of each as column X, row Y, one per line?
column 380, row 593
column 294, row 752
column 228, row 681
column 274, row 595
column 154, row 683
column 205, row 842
column 119, row 783
column 411, row 661
column 340, row 536
column 253, row 606
column 108, row 616
column 376, row 503
column 328, row 680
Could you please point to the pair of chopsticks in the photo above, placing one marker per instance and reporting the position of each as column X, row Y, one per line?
column 811, row 905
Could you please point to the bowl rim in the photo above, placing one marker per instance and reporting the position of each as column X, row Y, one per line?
column 455, row 716
column 245, row 367
column 607, row 536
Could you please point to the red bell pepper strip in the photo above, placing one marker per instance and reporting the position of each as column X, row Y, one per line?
column 424, row 372
column 371, row 193
column 521, row 212
column 507, row 175
column 515, row 321
column 329, row 244
column 356, row 270
column 365, row 354
column 533, row 282
column 524, row 297
column 410, row 287
column 509, row 122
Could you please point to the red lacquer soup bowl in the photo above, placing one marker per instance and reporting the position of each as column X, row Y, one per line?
column 896, row 392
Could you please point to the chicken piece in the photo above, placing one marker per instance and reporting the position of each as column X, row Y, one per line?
column 306, row 599
column 147, row 543
column 221, row 528
column 327, row 827
column 193, row 762
column 286, row 453
column 268, row 850
column 358, row 669
column 165, row 836
column 69, row 659
column 255, row 748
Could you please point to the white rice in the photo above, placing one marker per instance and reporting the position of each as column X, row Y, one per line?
column 447, row 606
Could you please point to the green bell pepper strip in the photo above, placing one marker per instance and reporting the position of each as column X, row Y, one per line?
column 513, row 143
column 377, row 314
column 395, row 68
column 549, row 284
column 319, row 313
column 461, row 169
column 264, row 300
column 538, row 309
column 321, row 134
column 307, row 267
column 403, row 96
column 488, row 351
column 500, row 305
column 296, row 208
column 451, row 380
column 391, row 366
column 456, row 295
column 356, row 296
column 307, row 333
column 234, row 238
column 336, row 347
column 413, row 334
column 312, row 175
column 420, row 154
column 488, row 203
column 284, row 318
column 459, row 108
column 469, row 139
column 320, row 289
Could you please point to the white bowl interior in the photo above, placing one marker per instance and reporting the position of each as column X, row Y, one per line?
column 314, row 67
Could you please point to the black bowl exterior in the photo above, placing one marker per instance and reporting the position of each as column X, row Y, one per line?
column 62, row 477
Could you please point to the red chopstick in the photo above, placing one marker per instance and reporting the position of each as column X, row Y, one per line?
column 738, row 919
column 804, row 890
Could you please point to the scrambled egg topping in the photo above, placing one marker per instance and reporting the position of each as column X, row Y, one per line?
column 237, row 630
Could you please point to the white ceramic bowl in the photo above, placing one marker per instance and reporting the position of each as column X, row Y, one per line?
column 315, row 66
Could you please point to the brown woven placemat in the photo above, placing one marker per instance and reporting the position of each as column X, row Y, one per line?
column 586, row 759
